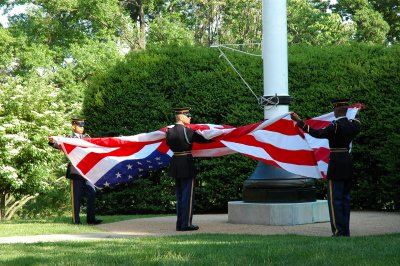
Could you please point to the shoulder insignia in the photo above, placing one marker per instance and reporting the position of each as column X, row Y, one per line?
column 335, row 125
column 186, row 137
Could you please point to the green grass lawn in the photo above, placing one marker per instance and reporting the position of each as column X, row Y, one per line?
column 199, row 249
column 57, row 225
column 210, row 250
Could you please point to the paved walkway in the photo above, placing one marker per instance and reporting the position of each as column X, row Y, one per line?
column 361, row 224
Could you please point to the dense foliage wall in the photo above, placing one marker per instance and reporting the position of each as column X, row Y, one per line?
column 366, row 74
column 138, row 94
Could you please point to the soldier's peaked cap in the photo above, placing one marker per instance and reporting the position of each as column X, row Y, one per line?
column 78, row 121
column 182, row 110
column 340, row 102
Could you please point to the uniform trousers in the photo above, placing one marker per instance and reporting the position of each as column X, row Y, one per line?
column 184, row 201
column 80, row 188
column 339, row 206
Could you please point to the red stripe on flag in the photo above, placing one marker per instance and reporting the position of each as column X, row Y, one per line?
column 300, row 157
column 317, row 124
column 163, row 147
column 240, row 131
column 68, row 147
column 202, row 127
column 91, row 159
column 263, row 160
column 322, row 154
column 283, row 126
column 213, row 145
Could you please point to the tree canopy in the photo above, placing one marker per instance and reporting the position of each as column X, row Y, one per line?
column 138, row 23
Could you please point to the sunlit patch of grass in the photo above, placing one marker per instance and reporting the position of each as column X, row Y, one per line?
column 57, row 225
column 170, row 257
column 204, row 249
column 27, row 229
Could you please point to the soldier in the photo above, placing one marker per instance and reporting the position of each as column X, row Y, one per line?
column 180, row 139
column 79, row 185
column 340, row 133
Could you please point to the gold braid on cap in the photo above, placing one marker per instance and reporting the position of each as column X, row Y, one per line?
column 183, row 111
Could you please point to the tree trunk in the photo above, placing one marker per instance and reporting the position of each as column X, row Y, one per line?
column 136, row 12
column 142, row 37
column 2, row 205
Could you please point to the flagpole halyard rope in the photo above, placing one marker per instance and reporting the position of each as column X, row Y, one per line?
column 237, row 72
column 239, row 51
column 265, row 103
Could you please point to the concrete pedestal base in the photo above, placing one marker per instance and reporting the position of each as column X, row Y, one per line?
column 240, row 212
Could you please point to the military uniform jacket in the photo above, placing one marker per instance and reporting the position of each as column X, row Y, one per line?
column 340, row 133
column 72, row 172
column 180, row 140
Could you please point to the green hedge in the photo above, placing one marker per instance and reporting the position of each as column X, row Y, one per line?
column 366, row 74
column 137, row 96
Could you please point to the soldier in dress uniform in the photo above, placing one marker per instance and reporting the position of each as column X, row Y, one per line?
column 180, row 139
column 340, row 133
column 79, row 185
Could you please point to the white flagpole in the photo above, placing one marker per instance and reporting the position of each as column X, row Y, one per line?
column 275, row 54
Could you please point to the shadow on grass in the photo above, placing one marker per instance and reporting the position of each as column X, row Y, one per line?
column 67, row 219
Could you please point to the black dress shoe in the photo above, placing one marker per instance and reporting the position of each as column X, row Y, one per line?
column 97, row 221
column 193, row 227
column 178, row 227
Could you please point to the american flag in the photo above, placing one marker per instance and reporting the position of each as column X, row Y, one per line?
column 110, row 161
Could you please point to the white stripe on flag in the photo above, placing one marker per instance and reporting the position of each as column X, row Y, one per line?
column 212, row 133
column 310, row 171
column 77, row 154
column 323, row 166
column 75, row 142
column 144, row 137
column 281, row 141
